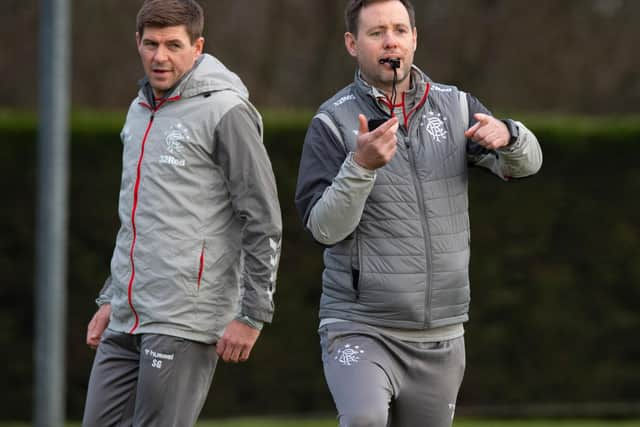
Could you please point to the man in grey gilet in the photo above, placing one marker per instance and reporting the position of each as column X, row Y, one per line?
column 390, row 205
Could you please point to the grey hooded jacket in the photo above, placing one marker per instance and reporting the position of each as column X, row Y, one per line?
column 200, row 234
column 398, row 238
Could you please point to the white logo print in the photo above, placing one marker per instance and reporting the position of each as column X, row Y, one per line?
column 173, row 139
column 157, row 357
column 273, row 261
column 344, row 99
column 348, row 355
column 435, row 126
column 441, row 89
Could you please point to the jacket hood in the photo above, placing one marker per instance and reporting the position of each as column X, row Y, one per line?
column 207, row 75
column 210, row 75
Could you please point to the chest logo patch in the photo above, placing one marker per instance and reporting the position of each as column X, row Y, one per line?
column 173, row 140
column 174, row 135
column 435, row 126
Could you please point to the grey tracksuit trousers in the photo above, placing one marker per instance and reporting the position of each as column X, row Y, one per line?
column 379, row 381
column 148, row 380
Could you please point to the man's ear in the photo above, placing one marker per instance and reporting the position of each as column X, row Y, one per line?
column 199, row 45
column 138, row 39
column 350, row 44
column 415, row 38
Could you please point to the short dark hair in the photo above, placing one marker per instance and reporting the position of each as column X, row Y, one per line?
column 170, row 13
column 352, row 13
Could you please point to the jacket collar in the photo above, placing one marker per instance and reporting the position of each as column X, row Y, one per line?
column 207, row 75
column 419, row 81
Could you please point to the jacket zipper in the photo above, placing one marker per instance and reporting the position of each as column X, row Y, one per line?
column 425, row 231
column 422, row 207
column 133, row 224
column 135, row 206
column 360, row 264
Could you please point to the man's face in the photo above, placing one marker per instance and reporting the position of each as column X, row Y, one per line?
column 167, row 54
column 384, row 31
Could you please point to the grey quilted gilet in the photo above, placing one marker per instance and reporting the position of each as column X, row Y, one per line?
column 406, row 264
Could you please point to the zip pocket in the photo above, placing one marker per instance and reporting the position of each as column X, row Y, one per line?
column 201, row 268
column 355, row 278
column 355, row 270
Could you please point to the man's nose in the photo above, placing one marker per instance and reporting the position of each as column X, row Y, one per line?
column 160, row 54
column 390, row 40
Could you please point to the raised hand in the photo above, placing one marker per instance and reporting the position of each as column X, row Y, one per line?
column 376, row 148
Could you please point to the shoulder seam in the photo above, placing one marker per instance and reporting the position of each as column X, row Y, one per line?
column 464, row 108
column 328, row 121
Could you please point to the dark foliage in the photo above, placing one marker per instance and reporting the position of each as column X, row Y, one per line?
column 555, row 273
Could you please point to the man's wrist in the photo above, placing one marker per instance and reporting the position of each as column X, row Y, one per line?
column 352, row 158
column 514, row 131
column 255, row 324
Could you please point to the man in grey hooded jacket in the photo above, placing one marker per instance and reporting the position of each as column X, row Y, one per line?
column 194, row 267
column 383, row 185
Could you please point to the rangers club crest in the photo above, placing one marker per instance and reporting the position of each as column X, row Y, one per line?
column 349, row 355
column 435, row 125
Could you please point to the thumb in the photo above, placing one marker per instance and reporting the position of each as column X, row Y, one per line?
column 364, row 126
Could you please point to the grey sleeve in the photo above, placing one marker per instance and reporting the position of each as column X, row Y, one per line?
column 521, row 158
column 338, row 211
column 104, row 296
column 332, row 188
column 252, row 187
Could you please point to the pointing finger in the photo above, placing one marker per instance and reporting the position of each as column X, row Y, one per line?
column 482, row 118
column 472, row 130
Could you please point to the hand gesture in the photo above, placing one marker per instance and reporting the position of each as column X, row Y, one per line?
column 376, row 148
column 489, row 132
column 236, row 342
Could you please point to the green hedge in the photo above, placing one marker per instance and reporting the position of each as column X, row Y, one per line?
column 555, row 271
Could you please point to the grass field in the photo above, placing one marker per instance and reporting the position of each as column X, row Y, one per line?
column 462, row 422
